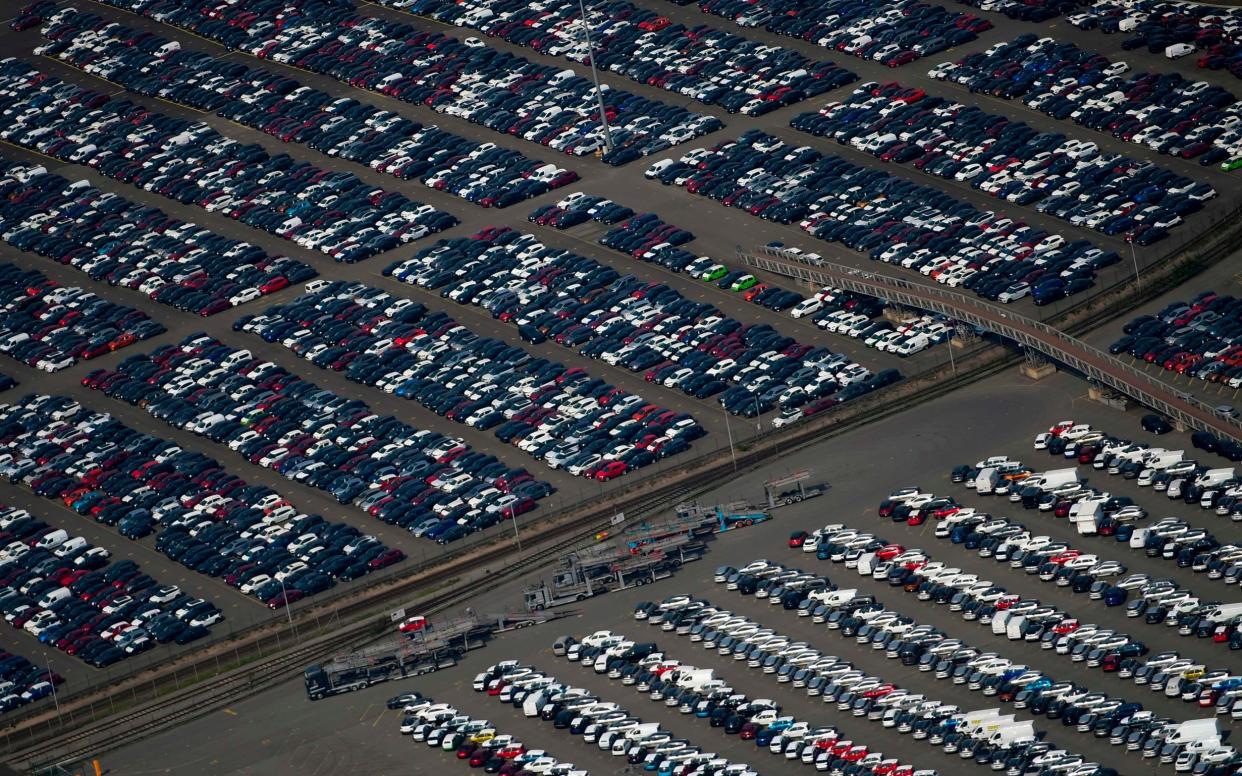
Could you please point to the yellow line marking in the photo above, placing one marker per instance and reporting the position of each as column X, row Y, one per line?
column 32, row 151
column 230, row 712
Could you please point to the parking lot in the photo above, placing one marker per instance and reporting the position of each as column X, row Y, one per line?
column 517, row 361
column 912, row 449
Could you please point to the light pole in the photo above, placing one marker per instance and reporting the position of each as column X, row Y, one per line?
column 1134, row 257
column 513, row 517
column 758, row 417
column 949, row 344
column 284, row 595
column 729, row 430
column 599, row 95
column 55, row 699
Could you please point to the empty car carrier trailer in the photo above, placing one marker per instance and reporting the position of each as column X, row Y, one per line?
column 437, row 646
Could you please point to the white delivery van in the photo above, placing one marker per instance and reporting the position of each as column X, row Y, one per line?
column 1213, row 477
column 1178, row 50
column 1085, row 515
column 986, row 479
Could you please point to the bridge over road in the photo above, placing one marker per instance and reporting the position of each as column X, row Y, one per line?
column 1095, row 364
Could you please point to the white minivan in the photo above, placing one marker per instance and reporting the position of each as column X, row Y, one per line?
column 807, row 307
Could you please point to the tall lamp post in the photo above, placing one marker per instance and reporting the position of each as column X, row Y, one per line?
column 55, row 699
column 288, row 612
column 513, row 517
column 599, row 94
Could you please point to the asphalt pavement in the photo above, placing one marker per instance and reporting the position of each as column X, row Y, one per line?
column 280, row 732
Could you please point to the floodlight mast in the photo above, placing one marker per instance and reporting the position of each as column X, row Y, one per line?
column 599, row 94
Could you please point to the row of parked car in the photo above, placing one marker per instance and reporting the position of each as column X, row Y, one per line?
column 118, row 241
column 501, row 91
column 65, row 593
column 1200, row 337
column 476, row 742
column 648, row 237
column 280, row 106
column 894, row 34
column 1169, row 471
column 552, row 294
column 982, row 600
column 1157, row 25
column 562, row 416
column 706, row 64
column 23, row 682
column 907, row 337
column 1010, row 160
column 424, row 481
column 1164, row 111
column 1193, row 745
column 889, row 218
column 209, row 520
column 333, row 212
column 578, row 208
column 1161, row 601
column 1158, row 601
column 990, row 739
column 902, row 638
column 32, row 15
column 606, row 724
column 1027, row 10
column 1164, row 470
column 1064, row 493
column 698, row 691
column 50, row 327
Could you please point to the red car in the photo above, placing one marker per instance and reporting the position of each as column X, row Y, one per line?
column 889, row 551
column 611, row 471
column 285, row 597
column 386, row 559
column 855, row 753
column 879, row 692
column 413, row 624
column 510, row 752
column 797, row 538
column 754, row 291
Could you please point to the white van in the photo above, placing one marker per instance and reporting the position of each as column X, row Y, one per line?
column 807, row 307
column 1178, row 50
column 70, row 547
column 54, row 596
column 53, row 540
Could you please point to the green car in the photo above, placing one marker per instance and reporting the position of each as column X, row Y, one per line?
column 716, row 274
column 744, row 282
column 1232, row 164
